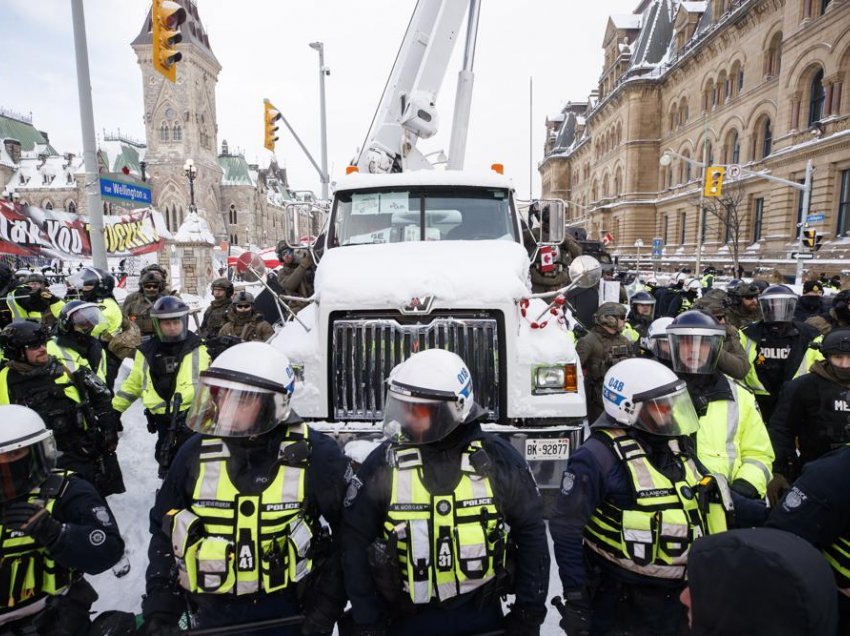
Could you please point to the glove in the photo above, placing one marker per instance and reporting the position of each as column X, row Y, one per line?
column 33, row 520
column 109, row 439
column 777, row 487
column 575, row 613
column 745, row 489
column 524, row 621
column 158, row 625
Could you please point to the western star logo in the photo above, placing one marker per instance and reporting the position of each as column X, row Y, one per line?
column 418, row 305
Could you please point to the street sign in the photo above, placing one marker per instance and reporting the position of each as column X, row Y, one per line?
column 639, row 243
column 803, row 256
column 816, row 218
column 733, row 171
column 120, row 191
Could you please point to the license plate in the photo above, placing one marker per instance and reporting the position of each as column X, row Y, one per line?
column 547, row 448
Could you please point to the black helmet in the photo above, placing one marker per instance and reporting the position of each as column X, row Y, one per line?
column 223, row 283
column 79, row 313
column 688, row 333
column 777, row 303
column 836, row 341
column 841, row 305
column 282, row 249
column 168, row 308
column 152, row 277
column 37, row 278
column 761, row 284
column 19, row 335
column 93, row 283
column 242, row 298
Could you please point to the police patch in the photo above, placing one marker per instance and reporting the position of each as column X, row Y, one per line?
column 97, row 537
column 444, row 507
column 354, row 486
column 567, row 483
column 794, row 499
column 102, row 515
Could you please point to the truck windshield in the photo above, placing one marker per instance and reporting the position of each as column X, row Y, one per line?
column 416, row 214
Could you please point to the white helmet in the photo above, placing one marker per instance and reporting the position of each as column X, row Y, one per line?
column 27, row 451
column 656, row 340
column 680, row 277
column 693, row 285
column 244, row 393
column 428, row 396
column 646, row 395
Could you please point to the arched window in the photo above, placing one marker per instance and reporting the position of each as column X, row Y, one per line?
column 605, row 189
column 163, row 132
column 687, row 166
column 823, row 5
column 710, row 153
column 71, row 207
column 618, row 182
column 817, row 96
column 773, row 56
column 177, row 132
column 234, row 219
column 683, row 112
column 766, row 138
column 48, row 205
column 733, row 148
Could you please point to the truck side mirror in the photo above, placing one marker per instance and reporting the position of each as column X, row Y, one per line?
column 552, row 221
column 298, row 225
column 585, row 271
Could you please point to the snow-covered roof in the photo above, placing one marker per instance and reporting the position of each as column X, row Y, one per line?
column 53, row 172
column 24, row 132
column 357, row 181
column 236, row 171
column 555, row 117
column 626, row 21
column 194, row 229
column 116, row 153
column 654, row 40
column 694, row 7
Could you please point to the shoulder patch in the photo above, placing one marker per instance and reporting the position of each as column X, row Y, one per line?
column 567, row 482
column 102, row 515
column 794, row 499
column 354, row 486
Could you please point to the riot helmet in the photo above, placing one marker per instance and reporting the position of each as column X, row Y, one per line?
column 166, row 313
column 841, row 306
column 696, row 339
column 36, row 281
column 642, row 307
column 778, row 303
column 27, row 451
column 20, row 335
column 428, row 396
column 244, row 393
column 92, row 283
column 646, row 395
column 79, row 316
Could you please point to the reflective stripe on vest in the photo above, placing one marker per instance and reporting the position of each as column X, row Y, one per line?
column 752, row 380
column 838, row 556
column 27, row 571
column 18, row 312
column 447, row 544
column 230, row 543
column 653, row 537
column 159, row 407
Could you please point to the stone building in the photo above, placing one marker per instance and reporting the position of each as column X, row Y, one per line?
column 760, row 84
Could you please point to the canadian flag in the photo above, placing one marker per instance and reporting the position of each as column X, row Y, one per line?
column 607, row 239
column 548, row 254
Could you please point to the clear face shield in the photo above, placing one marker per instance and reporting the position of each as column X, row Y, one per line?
column 409, row 420
column 660, row 347
column 666, row 413
column 778, row 308
column 22, row 469
column 224, row 408
column 85, row 319
column 171, row 329
column 695, row 352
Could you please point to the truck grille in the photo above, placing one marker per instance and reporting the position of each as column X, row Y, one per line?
column 364, row 351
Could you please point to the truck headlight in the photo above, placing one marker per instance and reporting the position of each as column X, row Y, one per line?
column 554, row 378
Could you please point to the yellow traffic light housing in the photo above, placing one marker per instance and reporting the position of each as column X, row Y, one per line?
column 810, row 238
column 272, row 114
column 714, row 181
column 167, row 16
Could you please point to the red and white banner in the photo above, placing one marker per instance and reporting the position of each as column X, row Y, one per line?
column 31, row 231
column 607, row 239
column 548, row 255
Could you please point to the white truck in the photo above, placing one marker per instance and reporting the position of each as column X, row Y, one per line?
column 412, row 258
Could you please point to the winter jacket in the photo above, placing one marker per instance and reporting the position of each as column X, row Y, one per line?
column 246, row 328
column 214, row 318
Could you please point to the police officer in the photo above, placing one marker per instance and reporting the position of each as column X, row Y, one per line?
column 54, row 528
column 813, row 413
column 601, row 348
column 235, row 529
column 656, row 345
column 74, row 345
column 733, row 359
column 38, row 283
column 137, row 306
column 244, row 322
column 743, row 307
column 635, row 476
column 811, row 303
column 164, row 375
column 296, row 274
column 641, row 315
column 777, row 346
column 669, row 298
column 216, row 313
column 74, row 404
column 837, row 316
column 429, row 516
column 817, row 508
column 732, row 439
column 707, row 280
column 26, row 303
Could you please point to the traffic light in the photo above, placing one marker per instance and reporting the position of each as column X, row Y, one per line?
column 714, row 180
column 167, row 16
column 810, row 238
column 272, row 114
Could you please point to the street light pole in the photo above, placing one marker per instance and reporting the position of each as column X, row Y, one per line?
column 191, row 172
column 807, row 197
column 320, row 47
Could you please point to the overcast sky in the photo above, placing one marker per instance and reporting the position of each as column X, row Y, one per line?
column 262, row 46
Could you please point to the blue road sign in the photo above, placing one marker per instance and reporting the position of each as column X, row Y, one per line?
column 124, row 191
column 657, row 246
column 815, row 218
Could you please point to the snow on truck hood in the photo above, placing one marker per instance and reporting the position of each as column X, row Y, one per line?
column 456, row 273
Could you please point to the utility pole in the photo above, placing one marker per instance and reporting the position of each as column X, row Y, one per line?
column 804, row 212
column 320, row 47
column 92, row 181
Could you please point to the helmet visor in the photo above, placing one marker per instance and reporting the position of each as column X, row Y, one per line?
column 660, row 346
column 171, row 329
column 24, row 468
column 85, row 319
column 415, row 421
column 778, row 308
column 695, row 353
column 669, row 415
column 224, row 408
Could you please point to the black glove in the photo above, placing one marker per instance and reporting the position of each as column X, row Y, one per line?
column 745, row 489
column 524, row 621
column 109, row 439
column 33, row 520
column 575, row 613
column 160, row 625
